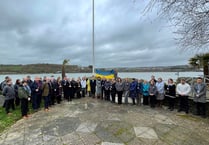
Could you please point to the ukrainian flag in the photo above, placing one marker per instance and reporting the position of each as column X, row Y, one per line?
column 105, row 74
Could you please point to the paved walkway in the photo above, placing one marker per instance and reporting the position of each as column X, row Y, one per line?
column 90, row 121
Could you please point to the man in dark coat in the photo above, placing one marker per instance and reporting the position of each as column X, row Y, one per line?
column 93, row 86
column 133, row 90
column 200, row 90
column 9, row 93
column 36, row 89
column 65, row 85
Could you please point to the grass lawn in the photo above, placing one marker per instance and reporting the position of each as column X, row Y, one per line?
column 7, row 121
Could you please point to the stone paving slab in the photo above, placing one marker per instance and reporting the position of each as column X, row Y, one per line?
column 86, row 127
column 90, row 121
column 109, row 143
column 145, row 132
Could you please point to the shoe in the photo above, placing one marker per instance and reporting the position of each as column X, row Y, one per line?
column 25, row 117
column 46, row 110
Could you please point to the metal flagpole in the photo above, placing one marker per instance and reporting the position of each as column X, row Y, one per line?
column 93, row 57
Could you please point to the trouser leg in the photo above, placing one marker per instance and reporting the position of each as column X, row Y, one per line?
column 113, row 97
column 133, row 100
column 12, row 103
column 7, row 106
column 126, row 96
column 24, row 107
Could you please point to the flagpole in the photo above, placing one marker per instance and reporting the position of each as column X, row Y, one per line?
column 93, row 56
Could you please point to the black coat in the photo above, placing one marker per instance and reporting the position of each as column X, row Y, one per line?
column 113, row 88
column 170, row 90
column 93, row 86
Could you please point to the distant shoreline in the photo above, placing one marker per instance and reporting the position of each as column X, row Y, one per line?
column 13, row 73
column 56, row 69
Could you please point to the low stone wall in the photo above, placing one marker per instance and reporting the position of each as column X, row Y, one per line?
column 191, row 81
column 192, row 105
column 1, row 100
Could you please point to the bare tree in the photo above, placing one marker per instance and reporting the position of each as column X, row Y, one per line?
column 191, row 19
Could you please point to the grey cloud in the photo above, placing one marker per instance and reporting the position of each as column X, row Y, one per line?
column 48, row 32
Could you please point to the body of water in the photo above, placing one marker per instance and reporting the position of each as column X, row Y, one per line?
column 138, row 75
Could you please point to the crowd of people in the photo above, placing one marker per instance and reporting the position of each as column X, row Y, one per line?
column 142, row 92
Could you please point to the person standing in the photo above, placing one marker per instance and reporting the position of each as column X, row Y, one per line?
column 99, row 88
column 170, row 93
column 160, row 92
column 183, row 89
column 16, row 86
column 73, row 84
column 93, row 86
column 103, row 88
column 200, row 89
column 23, row 94
column 133, row 90
column 65, row 85
column 83, row 86
column 119, row 88
column 145, row 92
column 70, row 89
column 59, row 90
column 126, row 90
column 9, row 93
column 88, row 87
column 113, row 90
column 2, row 85
column 36, row 93
column 28, row 89
column 152, row 93
column 107, row 86
column 78, row 88
column 46, row 93
column 139, row 92
column 53, row 83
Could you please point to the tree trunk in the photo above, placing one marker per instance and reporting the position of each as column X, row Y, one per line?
column 63, row 71
column 205, row 72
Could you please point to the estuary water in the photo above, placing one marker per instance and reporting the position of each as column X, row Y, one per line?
column 138, row 75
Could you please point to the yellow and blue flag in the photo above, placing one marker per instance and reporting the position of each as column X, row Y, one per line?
column 105, row 74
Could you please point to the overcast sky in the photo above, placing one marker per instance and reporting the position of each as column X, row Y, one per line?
column 49, row 31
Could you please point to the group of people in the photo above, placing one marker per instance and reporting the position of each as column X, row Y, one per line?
column 155, row 92
column 142, row 92
column 24, row 91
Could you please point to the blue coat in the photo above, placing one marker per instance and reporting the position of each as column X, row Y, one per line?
column 139, row 88
column 133, row 89
column 145, row 90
